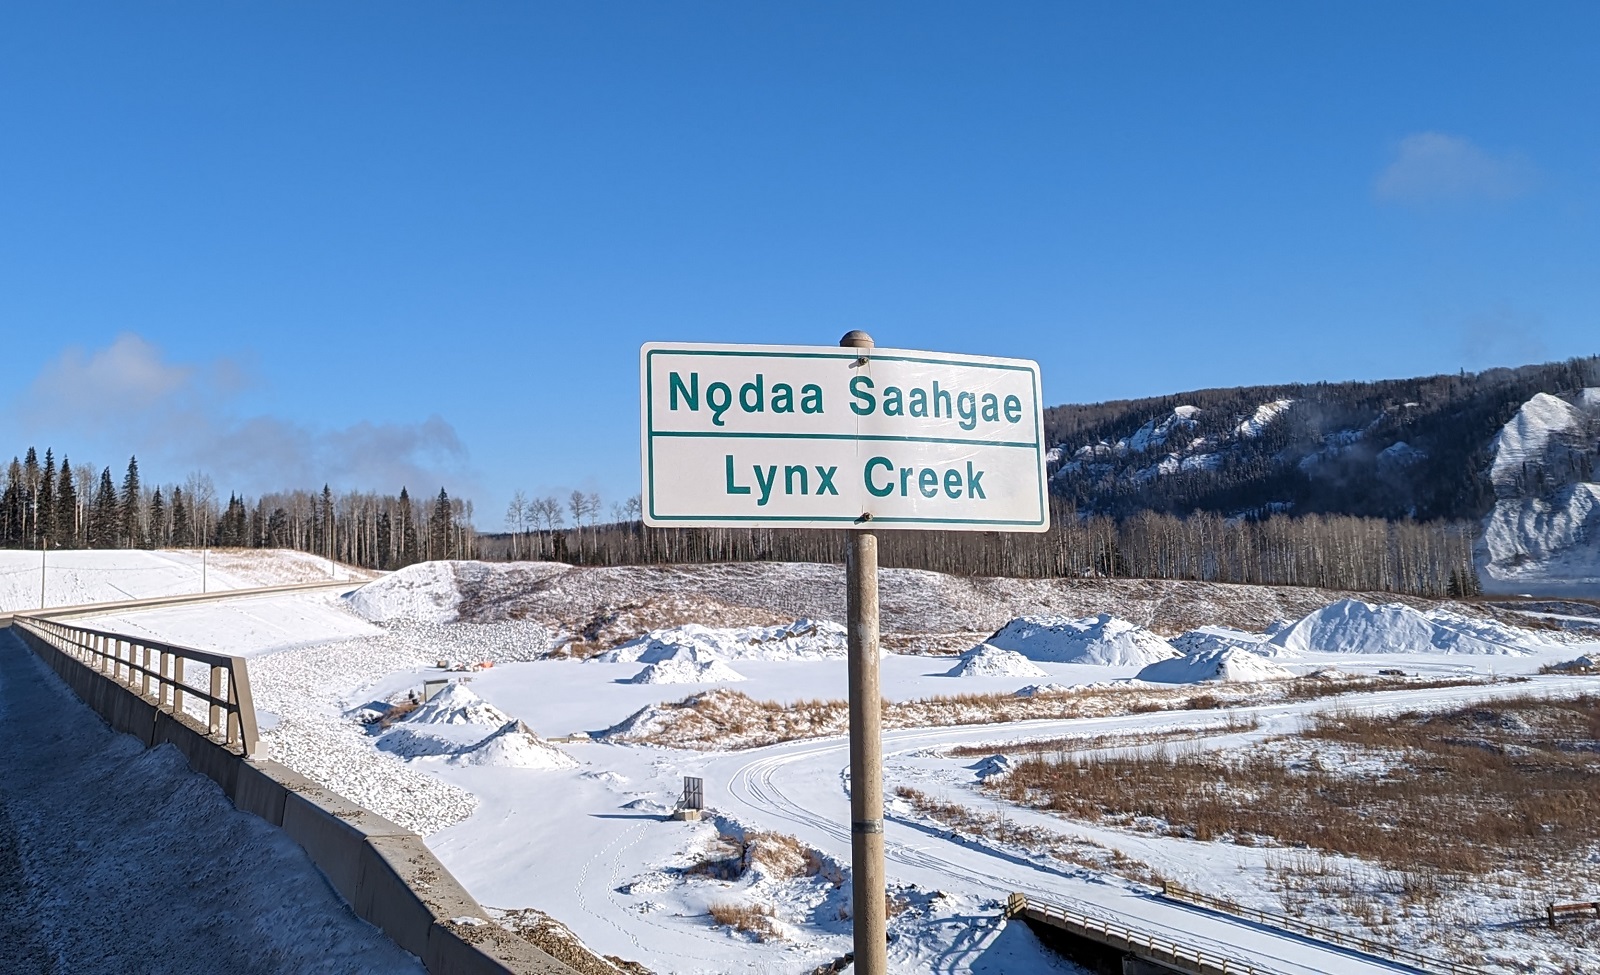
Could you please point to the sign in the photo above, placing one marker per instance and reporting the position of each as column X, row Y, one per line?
column 831, row 437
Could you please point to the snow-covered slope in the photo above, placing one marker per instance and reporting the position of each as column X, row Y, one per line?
column 1102, row 639
column 76, row 577
column 1543, row 536
column 1224, row 638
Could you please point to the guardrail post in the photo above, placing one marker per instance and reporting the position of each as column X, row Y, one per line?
column 214, row 725
column 177, row 684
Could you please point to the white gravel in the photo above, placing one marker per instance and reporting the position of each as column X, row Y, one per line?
column 307, row 690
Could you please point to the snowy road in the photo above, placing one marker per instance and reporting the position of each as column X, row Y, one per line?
column 801, row 788
column 117, row 859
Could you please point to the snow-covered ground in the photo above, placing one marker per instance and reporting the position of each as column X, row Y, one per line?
column 590, row 843
column 73, row 577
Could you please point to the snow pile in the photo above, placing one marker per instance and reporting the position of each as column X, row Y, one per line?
column 1225, row 638
column 1221, row 664
column 1352, row 626
column 428, row 741
column 456, row 718
column 686, row 668
column 514, row 747
column 422, row 593
column 1034, row 690
column 804, row 639
column 457, row 704
column 993, row 767
column 1102, row 639
column 1587, row 664
column 990, row 661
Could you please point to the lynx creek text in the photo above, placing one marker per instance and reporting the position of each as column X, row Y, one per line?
column 881, row 476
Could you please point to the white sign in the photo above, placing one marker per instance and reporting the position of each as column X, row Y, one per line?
column 818, row 437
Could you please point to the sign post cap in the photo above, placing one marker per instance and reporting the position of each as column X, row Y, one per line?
column 856, row 339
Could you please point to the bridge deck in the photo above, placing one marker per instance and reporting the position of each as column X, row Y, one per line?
column 116, row 859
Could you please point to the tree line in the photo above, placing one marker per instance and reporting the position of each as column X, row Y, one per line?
column 1329, row 551
column 45, row 505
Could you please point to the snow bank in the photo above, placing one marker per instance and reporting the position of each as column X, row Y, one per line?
column 804, row 639
column 1102, row 639
column 990, row 661
column 1232, row 664
column 514, row 747
column 1352, row 626
column 457, row 704
column 685, row 668
column 1034, row 690
column 422, row 593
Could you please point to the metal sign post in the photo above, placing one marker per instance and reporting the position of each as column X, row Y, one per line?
column 850, row 437
column 868, row 883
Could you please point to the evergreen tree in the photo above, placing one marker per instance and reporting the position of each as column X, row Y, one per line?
column 46, row 519
column 104, row 514
column 12, row 518
column 182, row 526
column 67, row 534
column 383, row 541
column 132, row 529
column 439, row 523
column 30, row 497
column 408, row 531
column 158, row 521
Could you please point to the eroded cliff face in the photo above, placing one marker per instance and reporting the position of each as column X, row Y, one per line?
column 1543, row 536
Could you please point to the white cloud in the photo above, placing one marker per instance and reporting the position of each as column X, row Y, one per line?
column 1432, row 167
column 130, row 398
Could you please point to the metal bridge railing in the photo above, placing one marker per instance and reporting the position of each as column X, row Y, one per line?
column 1343, row 939
column 158, row 671
column 1130, row 939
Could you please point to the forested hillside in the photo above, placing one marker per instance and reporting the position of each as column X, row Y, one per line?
column 1401, row 448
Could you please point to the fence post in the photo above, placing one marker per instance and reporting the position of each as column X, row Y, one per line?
column 177, row 683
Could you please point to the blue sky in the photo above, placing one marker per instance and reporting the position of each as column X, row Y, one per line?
column 292, row 243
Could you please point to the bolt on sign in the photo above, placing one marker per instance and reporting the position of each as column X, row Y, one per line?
column 820, row 437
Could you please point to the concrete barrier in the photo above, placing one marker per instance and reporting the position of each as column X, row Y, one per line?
column 386, row 873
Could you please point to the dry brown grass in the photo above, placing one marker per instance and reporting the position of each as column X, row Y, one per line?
column 1060, row 747
column 720, row 720
column 755, row 920
column 397, row 712
column 557, row 940
column 1465, row 792
column 997, row 826
column 779, row 855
